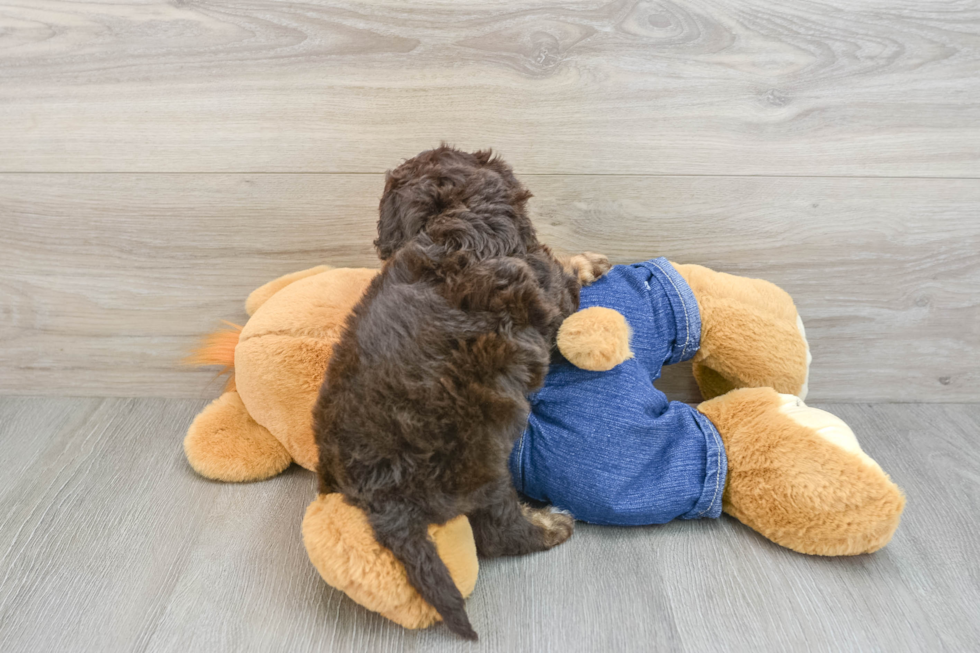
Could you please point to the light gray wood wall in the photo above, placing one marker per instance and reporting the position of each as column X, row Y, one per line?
column 856, row 87
column 159, row 160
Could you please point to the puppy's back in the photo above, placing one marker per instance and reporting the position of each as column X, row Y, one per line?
column 429, row 366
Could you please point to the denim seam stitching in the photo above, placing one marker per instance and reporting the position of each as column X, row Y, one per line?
column 714, row 432
column 520, row 450
column 687, row 319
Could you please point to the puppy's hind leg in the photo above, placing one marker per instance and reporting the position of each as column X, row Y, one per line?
column 504, row 526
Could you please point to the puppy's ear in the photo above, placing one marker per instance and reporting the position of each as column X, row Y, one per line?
column 411, row 197
column 393, row 232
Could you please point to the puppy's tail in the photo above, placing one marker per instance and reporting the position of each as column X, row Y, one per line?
column 218, row 348
column 408, row 539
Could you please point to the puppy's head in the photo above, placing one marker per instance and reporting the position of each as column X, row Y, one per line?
column 457, row 201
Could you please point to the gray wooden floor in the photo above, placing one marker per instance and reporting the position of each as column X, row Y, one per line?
column 109, row 542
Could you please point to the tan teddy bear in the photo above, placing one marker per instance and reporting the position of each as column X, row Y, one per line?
column 795, row 474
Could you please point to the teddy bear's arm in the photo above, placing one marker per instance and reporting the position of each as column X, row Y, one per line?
column 261, row 294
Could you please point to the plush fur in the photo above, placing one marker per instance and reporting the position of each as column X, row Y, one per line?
column 768, row 453
column 226, row 444
column 596, row 339
column 260, row 295
column 342, row 545
column 428, row 382
column 750, row 335
column 271, row 362
column 218, row 348
column 799, row 489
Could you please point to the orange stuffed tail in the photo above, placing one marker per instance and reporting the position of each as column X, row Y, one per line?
column 218, row 348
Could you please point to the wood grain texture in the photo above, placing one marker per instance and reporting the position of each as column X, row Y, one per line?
column 109, row 542
column 801, row 87
column 107, row 280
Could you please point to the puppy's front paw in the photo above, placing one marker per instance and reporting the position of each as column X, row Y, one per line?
column 555, row 526
column 589, row 266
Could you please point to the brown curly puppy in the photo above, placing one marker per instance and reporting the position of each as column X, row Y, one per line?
column 425, row 393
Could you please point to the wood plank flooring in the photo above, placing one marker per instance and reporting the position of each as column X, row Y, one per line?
column 109, row 542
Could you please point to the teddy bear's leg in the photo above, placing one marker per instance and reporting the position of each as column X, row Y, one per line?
column 751, row 334
column 261, row 294
column 224, row 443
column 341, row 545
column 798, row 476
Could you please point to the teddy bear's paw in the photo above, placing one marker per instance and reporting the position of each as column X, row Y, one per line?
column 589, row 266
column 224, row 443
column 555, row 526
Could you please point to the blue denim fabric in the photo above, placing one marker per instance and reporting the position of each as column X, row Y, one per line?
column 608, row 446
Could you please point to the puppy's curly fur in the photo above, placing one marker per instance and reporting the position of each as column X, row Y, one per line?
column 425, row 393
